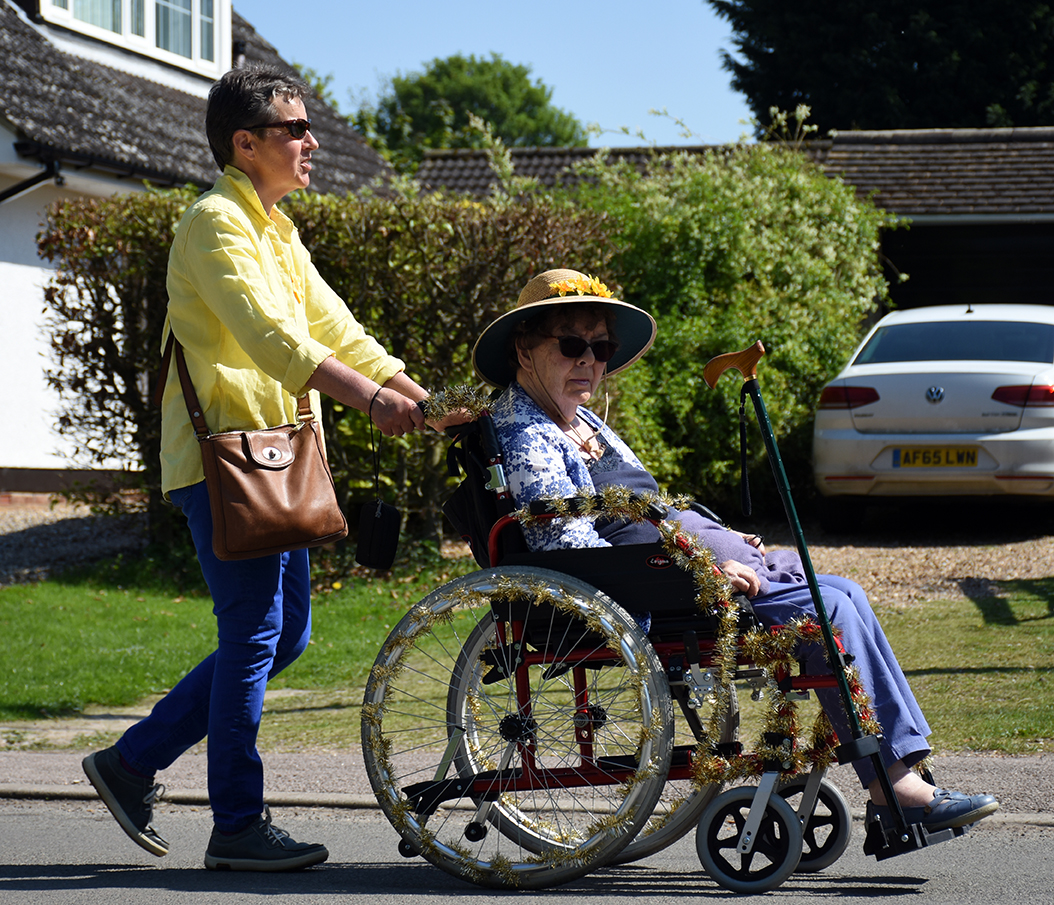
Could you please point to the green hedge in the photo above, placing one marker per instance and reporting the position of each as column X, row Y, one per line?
column 738, row 244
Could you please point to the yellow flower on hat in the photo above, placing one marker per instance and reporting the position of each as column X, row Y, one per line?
column 584, row 285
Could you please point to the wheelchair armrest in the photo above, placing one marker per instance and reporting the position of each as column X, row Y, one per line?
column 705, row 512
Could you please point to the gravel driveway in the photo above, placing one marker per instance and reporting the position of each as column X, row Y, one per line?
column 38, row 539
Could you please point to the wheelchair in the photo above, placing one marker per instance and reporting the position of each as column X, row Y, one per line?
column 556, row 712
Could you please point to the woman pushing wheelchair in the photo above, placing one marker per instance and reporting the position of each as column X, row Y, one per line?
column 549, row 355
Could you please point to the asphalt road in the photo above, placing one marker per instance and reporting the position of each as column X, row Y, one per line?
column 54, row 853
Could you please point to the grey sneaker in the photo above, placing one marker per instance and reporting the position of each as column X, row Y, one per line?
column 130, row 798
column 261, row 846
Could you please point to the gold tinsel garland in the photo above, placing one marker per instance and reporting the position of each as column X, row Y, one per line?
column 423, row 616
column 768, row 649
column 465, row 399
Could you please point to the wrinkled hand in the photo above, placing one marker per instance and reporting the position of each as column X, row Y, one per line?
column 449, row 420
column 741, row 577
column 394, row 414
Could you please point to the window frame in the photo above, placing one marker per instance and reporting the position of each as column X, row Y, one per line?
column 146, row 45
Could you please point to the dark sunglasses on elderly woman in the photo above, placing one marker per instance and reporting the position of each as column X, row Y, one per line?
column 575, row 346
column 297, row 128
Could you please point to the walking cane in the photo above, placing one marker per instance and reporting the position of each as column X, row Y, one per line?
column 861, row 745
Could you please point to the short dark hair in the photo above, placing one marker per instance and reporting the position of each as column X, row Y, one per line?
column 528, row 334
column 244, row 98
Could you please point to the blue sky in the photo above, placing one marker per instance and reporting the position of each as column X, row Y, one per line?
column 608, row 61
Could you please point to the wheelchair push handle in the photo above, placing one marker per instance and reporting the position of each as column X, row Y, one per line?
column 745, row 361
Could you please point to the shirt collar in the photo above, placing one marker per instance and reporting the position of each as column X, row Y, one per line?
column 242, row 186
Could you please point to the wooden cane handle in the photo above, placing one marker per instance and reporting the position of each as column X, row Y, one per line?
column 746, row 362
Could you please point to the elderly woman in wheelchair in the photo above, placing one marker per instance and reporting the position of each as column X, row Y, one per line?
column 508, row 696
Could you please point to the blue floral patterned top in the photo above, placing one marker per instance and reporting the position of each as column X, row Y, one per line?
column 540, row 461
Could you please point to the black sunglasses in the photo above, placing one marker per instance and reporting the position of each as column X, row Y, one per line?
column 575, row 346
column 297, row 128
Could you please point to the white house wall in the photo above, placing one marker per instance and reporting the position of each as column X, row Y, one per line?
column 24, row 350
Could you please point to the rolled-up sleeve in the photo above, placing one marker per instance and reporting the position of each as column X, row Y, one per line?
column 333, row 325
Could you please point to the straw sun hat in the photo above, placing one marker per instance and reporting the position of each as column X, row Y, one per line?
column 634, row 328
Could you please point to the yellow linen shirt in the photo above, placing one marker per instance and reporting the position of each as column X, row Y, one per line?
column 255, row 320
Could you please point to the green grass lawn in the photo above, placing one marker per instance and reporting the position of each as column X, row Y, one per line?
column 982, row 669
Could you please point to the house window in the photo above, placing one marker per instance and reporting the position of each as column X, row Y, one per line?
column 174, row 26
column 103, row 13
column 187, row 33
column 208, row 31
column 139, row 18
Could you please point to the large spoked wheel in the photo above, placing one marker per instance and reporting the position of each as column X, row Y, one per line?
column 825, row 835
column 517, row 728
column 776, row 849
column 682, row 802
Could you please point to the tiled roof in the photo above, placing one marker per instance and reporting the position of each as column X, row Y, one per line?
column 467, row 171
column 87, row 113
column 950, row 172
column 921, row 173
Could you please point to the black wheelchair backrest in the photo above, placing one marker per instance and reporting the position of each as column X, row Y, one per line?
column 482, row 497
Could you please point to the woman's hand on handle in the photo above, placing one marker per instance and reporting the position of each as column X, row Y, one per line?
column 395, row 414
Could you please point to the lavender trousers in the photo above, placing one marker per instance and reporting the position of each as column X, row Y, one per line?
column 904, row 728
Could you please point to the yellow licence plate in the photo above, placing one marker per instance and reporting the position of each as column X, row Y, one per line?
column 935, row 457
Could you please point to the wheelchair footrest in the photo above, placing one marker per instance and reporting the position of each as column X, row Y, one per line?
column 883, row 841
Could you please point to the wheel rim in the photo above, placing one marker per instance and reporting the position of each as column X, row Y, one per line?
column 683, row 801
column 431, row 675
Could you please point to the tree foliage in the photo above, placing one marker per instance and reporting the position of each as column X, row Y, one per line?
column 432, row 109
column 739, row 244
column 425, row 273
column 899, row 64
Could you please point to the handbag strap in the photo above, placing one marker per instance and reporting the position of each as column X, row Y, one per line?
column 201, row 429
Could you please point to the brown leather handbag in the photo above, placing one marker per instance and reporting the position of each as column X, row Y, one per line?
column 270, row 490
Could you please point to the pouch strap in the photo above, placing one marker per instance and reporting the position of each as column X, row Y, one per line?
column 744, row 478
column 375, row 447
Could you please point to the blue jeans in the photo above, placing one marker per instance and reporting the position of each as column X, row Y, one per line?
column 904, row 728
column 263, row 617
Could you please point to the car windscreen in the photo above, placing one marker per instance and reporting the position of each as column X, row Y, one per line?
column 960, row 341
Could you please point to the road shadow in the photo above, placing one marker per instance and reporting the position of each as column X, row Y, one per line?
column 418, row 879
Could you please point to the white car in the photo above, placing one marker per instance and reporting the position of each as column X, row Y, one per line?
column 951, row 400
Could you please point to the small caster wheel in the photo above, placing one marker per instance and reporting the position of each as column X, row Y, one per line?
column 407, row 849
column 776, row 849
column 825, row 835
column 475, row 832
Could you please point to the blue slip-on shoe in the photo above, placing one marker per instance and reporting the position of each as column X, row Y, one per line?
column 947, row 810
column 129, row 797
